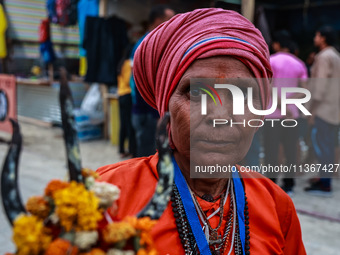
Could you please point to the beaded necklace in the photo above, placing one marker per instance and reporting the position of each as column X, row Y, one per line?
column 188, row 240
column 166, row 168
column 211, row 234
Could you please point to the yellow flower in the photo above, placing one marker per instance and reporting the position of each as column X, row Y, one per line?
column 77, row 208
column 38, row 206
column 29, row 235
column 118, row 231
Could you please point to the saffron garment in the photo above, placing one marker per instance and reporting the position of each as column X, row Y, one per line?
column 274, row 225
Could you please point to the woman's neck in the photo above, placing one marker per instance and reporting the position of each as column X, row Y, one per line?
column 200, row 186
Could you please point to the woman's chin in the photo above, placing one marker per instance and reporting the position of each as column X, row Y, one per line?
column 212, row 158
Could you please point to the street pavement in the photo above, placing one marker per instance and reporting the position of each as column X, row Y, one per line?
column 44, row 158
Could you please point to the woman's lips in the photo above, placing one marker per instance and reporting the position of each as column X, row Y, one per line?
column 211, row 144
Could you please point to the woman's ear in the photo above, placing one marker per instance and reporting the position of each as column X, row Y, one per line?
column 171, row 143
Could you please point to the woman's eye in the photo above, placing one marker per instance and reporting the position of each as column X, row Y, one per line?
column 195, row 92
column 245, row 92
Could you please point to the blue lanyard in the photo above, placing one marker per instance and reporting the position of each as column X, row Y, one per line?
column 240, row 203
column 191, row 213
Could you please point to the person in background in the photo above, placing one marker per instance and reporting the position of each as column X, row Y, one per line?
column 288, row 71
column 325, row 107
column 144, row 117
column 125, row 108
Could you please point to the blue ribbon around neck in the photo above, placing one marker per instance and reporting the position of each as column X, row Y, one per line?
column 191, row 213
column 240, row 203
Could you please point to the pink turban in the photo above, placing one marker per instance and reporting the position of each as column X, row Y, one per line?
column 167, row 52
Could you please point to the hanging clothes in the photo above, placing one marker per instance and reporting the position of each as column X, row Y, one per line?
column 85, row 8
column 3, row 28
column 62, row 12
column 61, row 9
column 261, row 23
column 47, row 52
column 46, row 47
column 82, row 66
column 72, row 12
column 104, row 42
column 51, row 11
column 44, row 30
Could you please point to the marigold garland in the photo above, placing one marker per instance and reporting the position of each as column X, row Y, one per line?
column 144, row 226
column 38, row 206
column 30, row 235
column 86, row 172
column 94, row 251
column 77, row 207
column 119, row 252
column 61, row 247
column 118, row 231
column 54, row 186
column 68, row 219
column 146, row 252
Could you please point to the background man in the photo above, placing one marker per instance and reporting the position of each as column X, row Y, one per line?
column 325, row 107
column 144, row 117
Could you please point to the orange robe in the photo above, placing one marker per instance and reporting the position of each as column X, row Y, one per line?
column 273, row 222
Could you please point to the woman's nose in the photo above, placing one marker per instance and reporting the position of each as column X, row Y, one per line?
column 220, row 112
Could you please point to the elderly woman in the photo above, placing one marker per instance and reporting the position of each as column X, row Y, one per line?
column 237, row 215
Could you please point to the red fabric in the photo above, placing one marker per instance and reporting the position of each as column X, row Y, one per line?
column 160, row 60
column 61, row 7
column 274, row 225
column 44, row 30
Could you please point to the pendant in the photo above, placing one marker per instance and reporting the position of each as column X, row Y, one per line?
column 208, row 197
column 214, row 238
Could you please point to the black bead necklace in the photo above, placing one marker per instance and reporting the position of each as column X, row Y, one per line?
column 187, row 237
column 183, row 227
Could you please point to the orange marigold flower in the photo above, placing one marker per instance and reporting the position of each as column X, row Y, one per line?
column 118, row 231
column 55, row 185
column 94, row 251
column 61, row 247
column 87, row 172
column 38, row 206
column 147, row 252
column 143, row 227
column 143, row 224
column 142, row 252
column 146, row 239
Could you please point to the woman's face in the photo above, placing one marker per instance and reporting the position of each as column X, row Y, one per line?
column 193, row 133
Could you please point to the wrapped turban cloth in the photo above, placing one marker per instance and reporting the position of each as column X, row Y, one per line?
column 167, row 52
